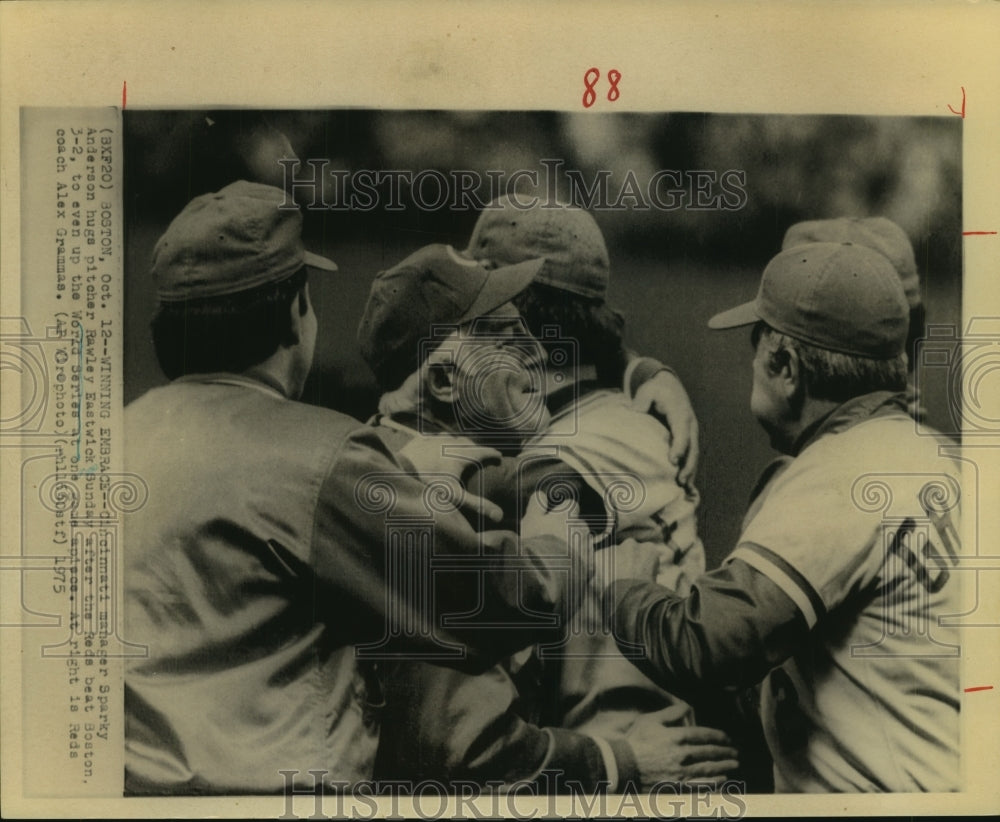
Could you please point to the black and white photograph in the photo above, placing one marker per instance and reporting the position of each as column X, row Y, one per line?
column 543, row 315
column 567, row 459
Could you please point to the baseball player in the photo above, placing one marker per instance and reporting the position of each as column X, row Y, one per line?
column 844, row 565
column 622, row 455
column 481, row 380
column 261, row 556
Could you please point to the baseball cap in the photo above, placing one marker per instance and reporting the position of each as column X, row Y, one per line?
column 435, row 285
column 233, row 240
column 838, row 296
column 879, row 233
column 576, row 258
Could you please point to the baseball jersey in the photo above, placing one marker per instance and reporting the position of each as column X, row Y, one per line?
column 860, row 531
column 623, row 455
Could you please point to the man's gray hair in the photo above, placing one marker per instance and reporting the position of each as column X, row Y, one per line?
column 830, row 375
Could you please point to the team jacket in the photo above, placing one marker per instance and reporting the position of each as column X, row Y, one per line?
column 834, row 596
column 272, row 544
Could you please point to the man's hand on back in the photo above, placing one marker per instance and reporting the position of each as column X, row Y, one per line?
column 665, row 395
column 684, row 754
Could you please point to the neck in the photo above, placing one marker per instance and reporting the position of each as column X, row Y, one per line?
column 281, row 372
column 813, row 411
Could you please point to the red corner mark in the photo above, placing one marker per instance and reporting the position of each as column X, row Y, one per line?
column 962, row 112
column 976, row 233
column 979, row 688
column 124, row 92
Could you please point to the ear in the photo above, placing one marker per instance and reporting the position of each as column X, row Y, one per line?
column 439, row 382
column 790, row 376
column 297, row 310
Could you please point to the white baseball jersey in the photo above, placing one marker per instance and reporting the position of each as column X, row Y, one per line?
column 624, row 455
column 860, row 530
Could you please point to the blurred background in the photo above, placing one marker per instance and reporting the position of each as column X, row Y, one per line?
column 670, row 269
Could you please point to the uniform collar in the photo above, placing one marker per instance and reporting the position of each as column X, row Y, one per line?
column 257, row 381
column 406, row 421
column 852, row 412
column 858, row 409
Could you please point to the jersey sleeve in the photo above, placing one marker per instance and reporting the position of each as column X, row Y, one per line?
column 810, row 537
column 624, row 455
column 734, row 626
column 639, row 371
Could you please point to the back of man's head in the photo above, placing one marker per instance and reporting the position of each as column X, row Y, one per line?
column 570, row 291
column 576, row 257
column 885, row 237
column 227, row 271
column 842, row 307
column 878, row 233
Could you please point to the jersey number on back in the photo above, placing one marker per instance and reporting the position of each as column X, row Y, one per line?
column 912, row 544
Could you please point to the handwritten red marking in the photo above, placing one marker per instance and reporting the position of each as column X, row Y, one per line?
column 614, row 76
column 975, row 233
column 979, row 688
column 962, row 112
column 124, row 92
column 590, row 78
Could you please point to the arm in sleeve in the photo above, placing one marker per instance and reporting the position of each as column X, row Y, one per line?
column 734, row 627
column 510, row 592
column 639, row 371
column 446, row 725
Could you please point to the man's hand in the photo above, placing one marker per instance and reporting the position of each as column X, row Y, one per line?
column 684, row 754
column 475, row 507
column 541, row 521
column 555, row 522
column 441, row 458
column 404, row 399
column 665, row 395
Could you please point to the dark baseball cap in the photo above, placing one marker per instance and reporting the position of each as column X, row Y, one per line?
column 233, row 240
column 436, row 285
column 879, row 233
column 838, row 296
column 576, row 257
